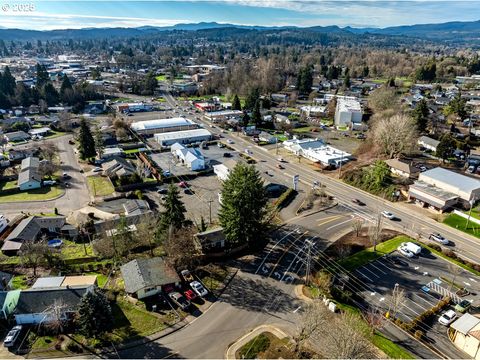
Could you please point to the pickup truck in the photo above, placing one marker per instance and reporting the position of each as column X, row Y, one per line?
column 187, row 276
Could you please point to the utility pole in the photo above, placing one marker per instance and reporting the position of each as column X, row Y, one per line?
column 470, row 212
column 210, row 211
column 309, row 244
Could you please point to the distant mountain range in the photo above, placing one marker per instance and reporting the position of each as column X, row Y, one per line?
column 456, row 31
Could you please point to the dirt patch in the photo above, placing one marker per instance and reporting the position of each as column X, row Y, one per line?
column 350, row 243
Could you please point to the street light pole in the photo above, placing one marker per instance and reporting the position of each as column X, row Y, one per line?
column 470, row 212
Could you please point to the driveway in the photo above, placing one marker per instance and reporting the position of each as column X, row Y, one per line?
column 75, row 197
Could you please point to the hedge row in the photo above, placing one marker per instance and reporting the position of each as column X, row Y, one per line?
column 452, row 255
column 285, row 198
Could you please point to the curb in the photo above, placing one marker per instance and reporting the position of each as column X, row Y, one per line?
column 299, row 293
column 233, row 348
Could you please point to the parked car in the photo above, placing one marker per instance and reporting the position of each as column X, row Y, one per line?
column 97, row 169
column 66, row 176
column 49, row 182
column 12, row 336
column 361, row 136
column 166, row 173
column 227, row 155
column 281, row 159
column 198, row 288
column 187, row 275
column 67, row 184
column 422, row 168
column 180, row 300
column 71, row 142
column 183, row 184
column 438, row 238
column 463, row 306
column 188, row 191
column 447, row 317
column 280, row 166
column 358, row 202
column 221, row 145
column 162, row 191
column 471, row 169
column 404, row 251
column 190, row 295
column 230, row 141
column 388, row 215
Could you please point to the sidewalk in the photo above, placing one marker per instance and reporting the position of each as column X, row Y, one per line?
column 237, row 345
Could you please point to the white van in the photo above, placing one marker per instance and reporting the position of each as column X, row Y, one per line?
column 412, row 247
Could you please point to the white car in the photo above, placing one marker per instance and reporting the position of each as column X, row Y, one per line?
column 12, row 336
column 388, row 215
column 402, row 249
column 439, row 238
column 447, row 317
column 97, row 169
column 49, row 182
column 198, row 288
column 230, row 141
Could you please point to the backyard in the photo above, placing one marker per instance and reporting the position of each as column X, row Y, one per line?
column 100, row 186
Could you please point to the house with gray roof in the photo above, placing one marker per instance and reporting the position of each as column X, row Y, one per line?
column 29, row 177
column 31, row 229
column 16, row 136
column 428, row 143
column 147, row 277
column 402, row 168
column 118, row 167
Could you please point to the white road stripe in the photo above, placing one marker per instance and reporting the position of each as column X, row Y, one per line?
column 370, row 271
column 343, row 222
column 365, row 276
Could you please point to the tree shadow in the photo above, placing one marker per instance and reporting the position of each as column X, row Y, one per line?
column 149, row 350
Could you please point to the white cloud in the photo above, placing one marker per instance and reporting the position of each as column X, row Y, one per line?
column 47, row 21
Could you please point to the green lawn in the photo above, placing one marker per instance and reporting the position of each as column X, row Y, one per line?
column 365, row 256
column 5, row 185
column 460, row 223
column 19, row 282
column 161, row 77
column 72, row 250
column 132, row 151
column 130, row 321
column 392, row 350
column 304, row 129
column 54, row 134
column 44, row 342
column 100, row 186
column 42, row 194
column 121, row 99
column 281, row 137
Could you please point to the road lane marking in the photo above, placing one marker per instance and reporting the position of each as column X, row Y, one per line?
column 274, row 246
column 343, row 222
column 319, row 223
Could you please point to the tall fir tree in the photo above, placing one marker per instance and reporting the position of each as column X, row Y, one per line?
column 256, row 114
column 243, row 209
column 7, row 82
column 86, row 143
column 420, row 115
column 251, row 99
column 236, row 105
column 173, row 216
column 65, row 88
column 94, row 314
column 42, row 76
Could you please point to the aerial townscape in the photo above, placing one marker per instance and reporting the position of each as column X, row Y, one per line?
column 240, row 180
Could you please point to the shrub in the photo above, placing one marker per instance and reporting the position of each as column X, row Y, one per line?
column 435, row 247
column 74, row 347
column 419, row 334
column 138, row 194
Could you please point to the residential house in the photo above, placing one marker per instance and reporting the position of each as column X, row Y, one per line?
column 147, row 277
column 14, row 155
column 34, row 305
column 136, row 207
column 212, row 240
column 16, row 136
column 297, row 146
column 118, row 167
column 111, row 152
column 466, row 335
column 266, row 137
column 403, row 169
column 39, row 132
column 191, row 157
column 30, row 229
column 428, row 143
column 279, row 98
column 29, row 177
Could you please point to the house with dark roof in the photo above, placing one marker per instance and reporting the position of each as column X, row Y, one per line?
column 402, row 168
column 147, row 277
column 29, row 177
column 34, row 305
column 212, row 240
column 30, row 229
column 118, row 167
column 136, row 207
column 16, row 136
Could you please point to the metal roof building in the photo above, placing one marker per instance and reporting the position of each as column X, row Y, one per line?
column 151, row 127
column 182, row 137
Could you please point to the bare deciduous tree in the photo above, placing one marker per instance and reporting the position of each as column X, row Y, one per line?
column 375, row 319
column 48, row 151
column 395, row 135
column 54, row 316
column 32, row 254
column 375, row 231
column 357, row 226
column 181, row 248
column 397, row 301
column 315, row 317
column 454, row 271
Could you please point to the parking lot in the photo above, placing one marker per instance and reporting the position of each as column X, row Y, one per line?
column 425, row 279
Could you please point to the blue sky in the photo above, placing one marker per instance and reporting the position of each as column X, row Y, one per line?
column 48, row 15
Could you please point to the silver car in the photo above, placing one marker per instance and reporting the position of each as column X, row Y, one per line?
column 12, row 336
column 439, row 238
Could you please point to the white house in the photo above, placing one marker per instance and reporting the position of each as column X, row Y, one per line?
column 348, row 112
column 402, row 168
column 428, row 143
column 191, row 157
column 29, row 177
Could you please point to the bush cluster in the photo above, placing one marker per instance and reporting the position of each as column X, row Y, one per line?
column 412, row 326
column 452, row 255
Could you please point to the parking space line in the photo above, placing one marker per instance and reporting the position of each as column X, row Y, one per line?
column 364, row 267
column 390, row 263
column 363, row 275
column 372, row 264
column 425, row 300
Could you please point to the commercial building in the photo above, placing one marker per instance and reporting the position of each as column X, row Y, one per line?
column 191, row 157
column 151, row 127
column 316, row 151
column 134, row 107
column 182, row 137
column 440, row 189
column 298, row 146
column 223, row 115
column 348, row 112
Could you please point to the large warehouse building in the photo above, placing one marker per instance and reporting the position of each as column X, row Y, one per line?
column 182, row 137
column 151, row 127
column 441, row 189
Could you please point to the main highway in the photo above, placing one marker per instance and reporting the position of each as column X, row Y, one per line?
column 410, row 219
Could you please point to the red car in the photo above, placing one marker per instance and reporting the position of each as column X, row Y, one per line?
column 183, row 184
column 190, row 295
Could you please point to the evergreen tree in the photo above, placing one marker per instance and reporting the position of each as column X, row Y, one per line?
column 346, row 82
column 365, row 71
column 420, row 115
column 446, row 146
column 86, row 143
column 256, row 115
column 173, row 217
column 305, row 80
column 456, row 106
column 42, row 76
column 236, row 103
column 50, row 94
column 7, row 82
column 94, row 314
column 243, row 207
column 251, row 99
column 245, row 119
column 66, row 89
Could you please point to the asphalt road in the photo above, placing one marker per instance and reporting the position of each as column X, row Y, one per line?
column 75, row 197
column 410, row 220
